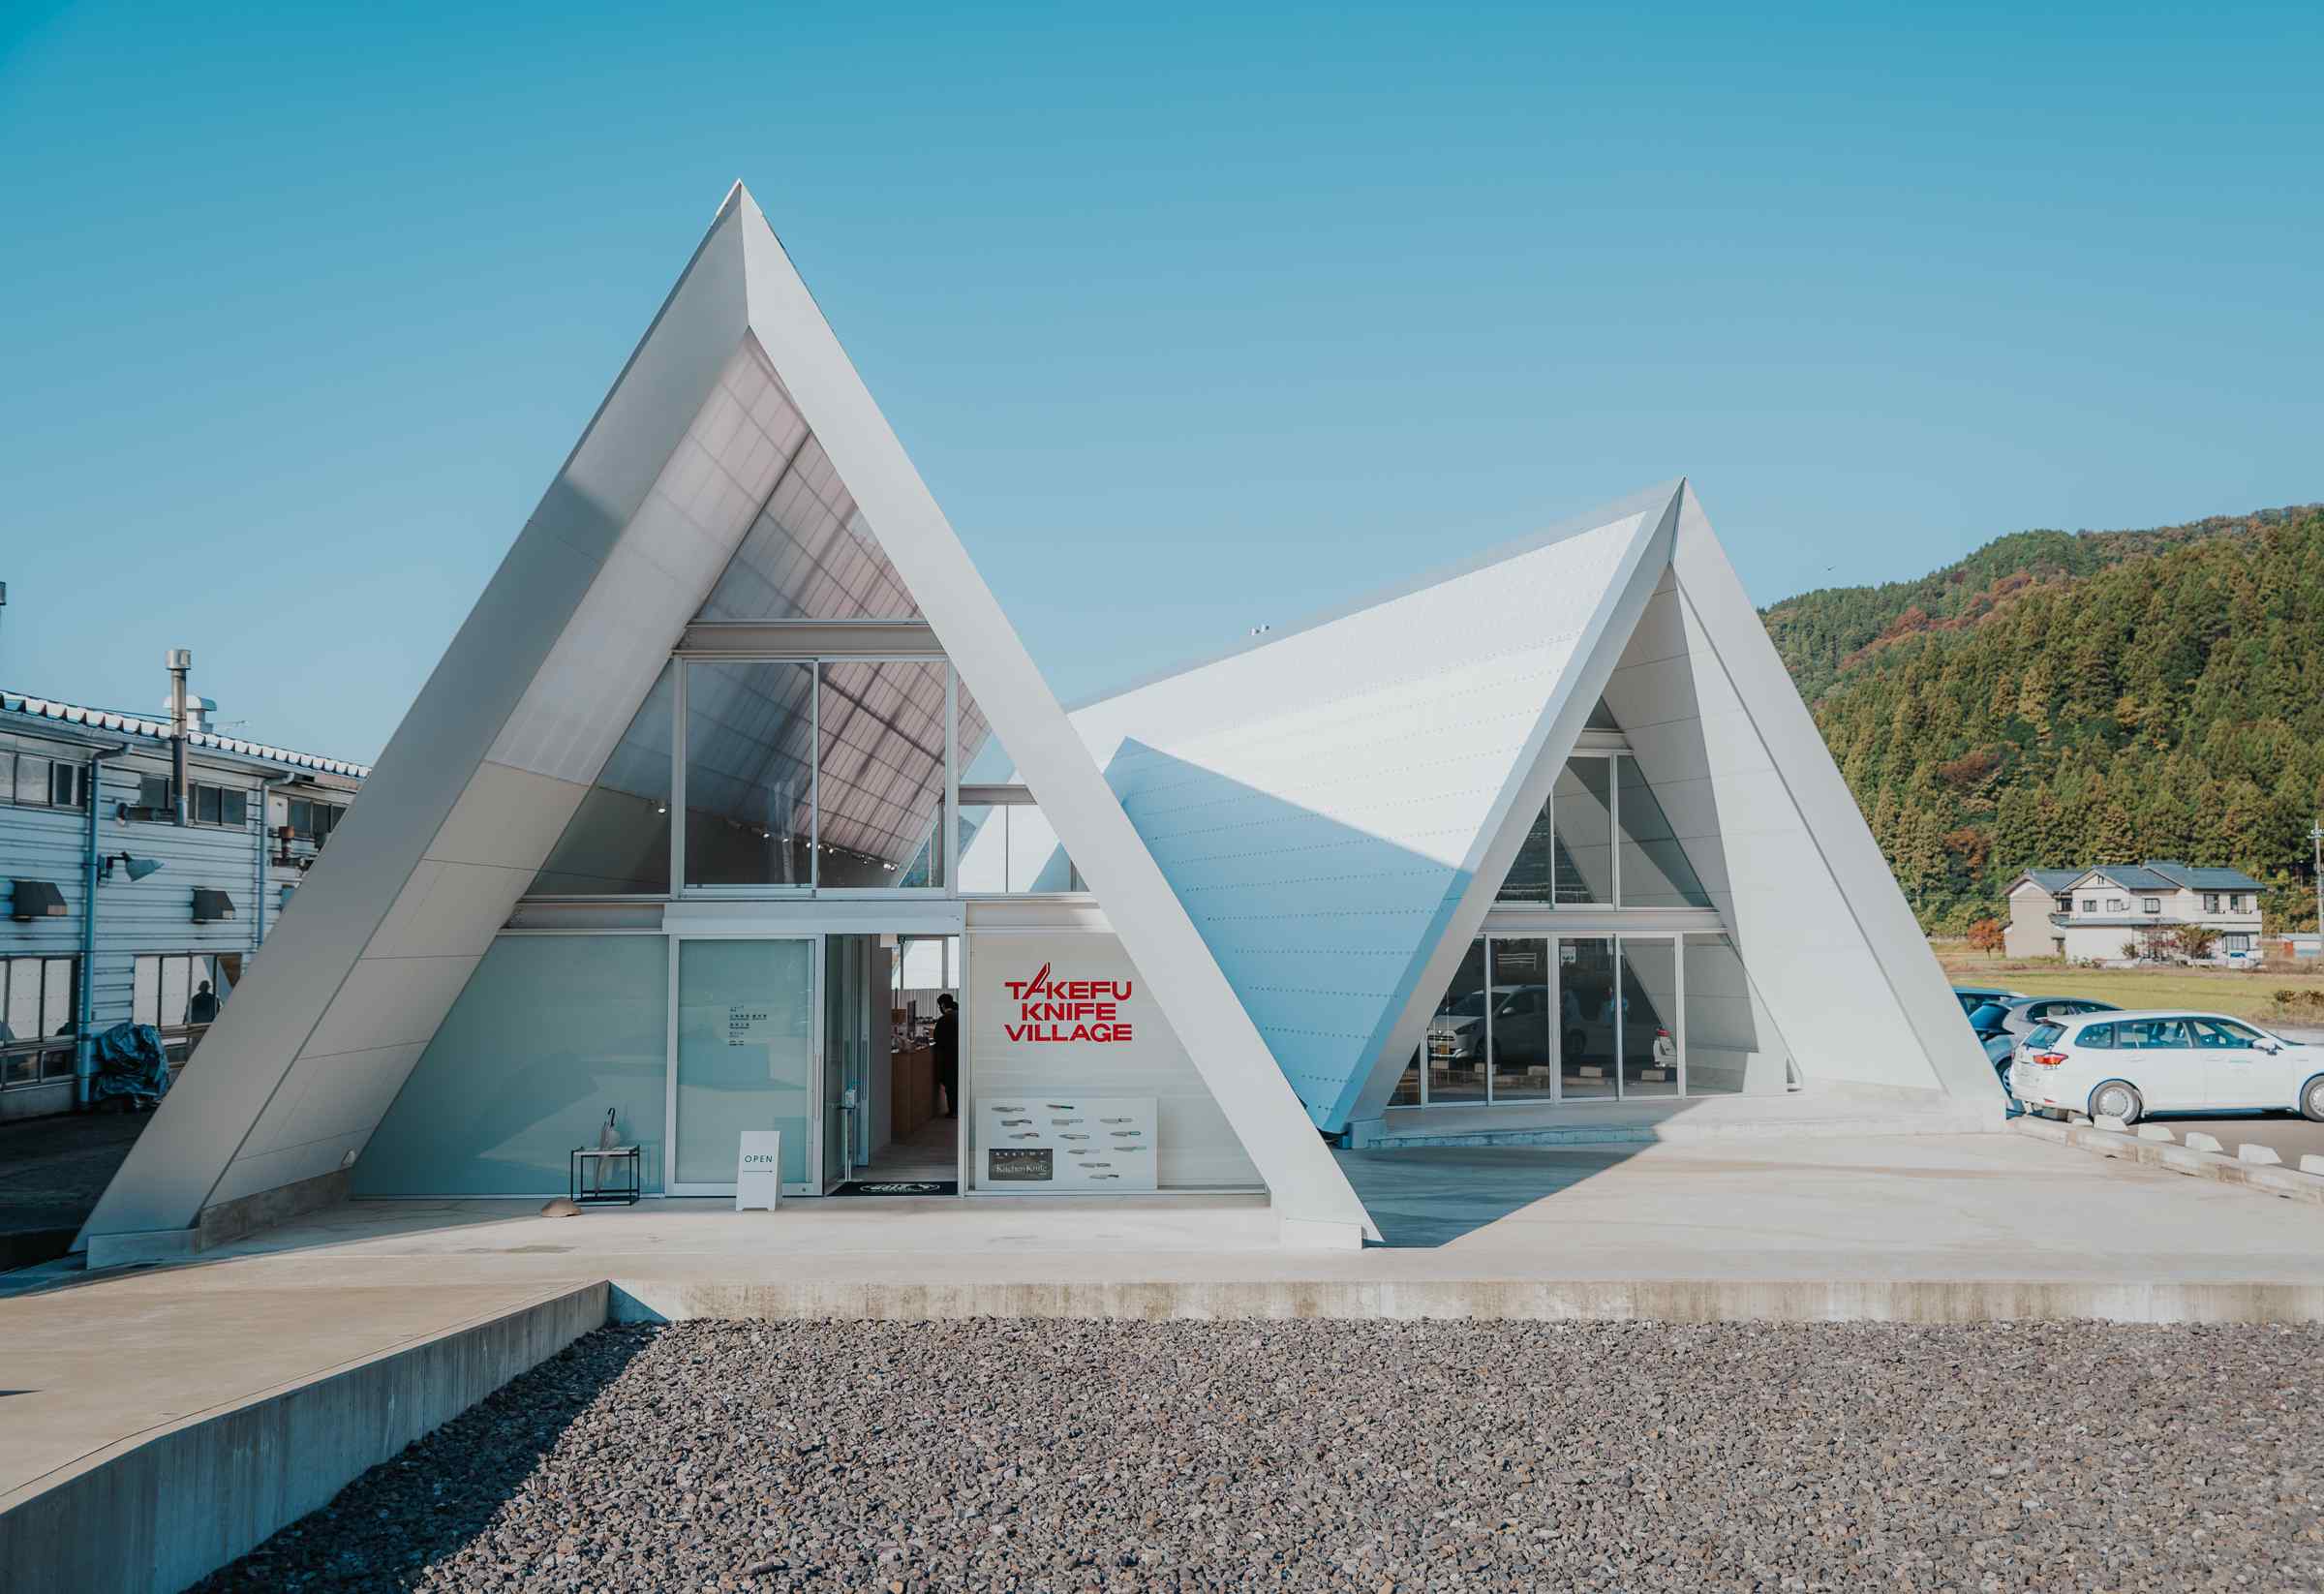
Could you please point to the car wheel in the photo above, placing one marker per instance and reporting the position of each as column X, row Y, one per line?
column 2311, row 1100
column 2116, row 1098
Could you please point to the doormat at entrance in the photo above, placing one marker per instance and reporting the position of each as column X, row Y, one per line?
column 900, row 1187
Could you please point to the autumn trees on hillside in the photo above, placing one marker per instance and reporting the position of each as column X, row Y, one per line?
column 2164, row 705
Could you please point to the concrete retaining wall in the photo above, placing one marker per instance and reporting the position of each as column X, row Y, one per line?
column 1620, row 1301
column 159, row 1513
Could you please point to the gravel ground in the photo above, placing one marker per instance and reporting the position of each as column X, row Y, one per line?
column 1067, row 1456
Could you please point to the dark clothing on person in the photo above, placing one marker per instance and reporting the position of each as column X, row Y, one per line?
column 202, row 1009
column 947, row 1043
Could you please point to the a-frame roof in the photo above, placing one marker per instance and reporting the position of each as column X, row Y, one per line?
column 1337, row 805
column 629, row 541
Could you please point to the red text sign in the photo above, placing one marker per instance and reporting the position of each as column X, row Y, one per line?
column 1053, row 1010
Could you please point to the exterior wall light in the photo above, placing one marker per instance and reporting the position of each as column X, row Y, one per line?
column 136, row 868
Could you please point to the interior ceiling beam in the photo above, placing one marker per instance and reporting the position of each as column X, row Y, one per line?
column 810, row 639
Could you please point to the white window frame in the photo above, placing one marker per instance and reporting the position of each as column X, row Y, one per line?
column 946, row 830
column 1613, row 829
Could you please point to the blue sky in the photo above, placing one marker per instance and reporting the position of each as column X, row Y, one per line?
column 1195, row 318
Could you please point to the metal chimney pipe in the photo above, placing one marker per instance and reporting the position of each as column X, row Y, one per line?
column 180, row 660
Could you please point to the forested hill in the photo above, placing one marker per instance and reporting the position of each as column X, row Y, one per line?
column 2056, row 698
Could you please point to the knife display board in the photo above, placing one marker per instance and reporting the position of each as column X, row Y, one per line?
column 1050, row 1143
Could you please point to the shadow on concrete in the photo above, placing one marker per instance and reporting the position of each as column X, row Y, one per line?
column 443, row 1492
column 1430, row 1196
column 52, row 1172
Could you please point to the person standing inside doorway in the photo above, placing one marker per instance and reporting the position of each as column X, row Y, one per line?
column 947, row 1043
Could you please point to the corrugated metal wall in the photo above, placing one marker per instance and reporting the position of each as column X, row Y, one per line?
column 155, row 914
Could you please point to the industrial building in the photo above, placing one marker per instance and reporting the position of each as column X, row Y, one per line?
column 681, row 842
column 194, row 842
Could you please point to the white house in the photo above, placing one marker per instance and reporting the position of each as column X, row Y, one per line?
column 678, row 832
column 2089, row 915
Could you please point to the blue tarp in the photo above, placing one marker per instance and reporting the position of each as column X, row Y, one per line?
column 130, row 1063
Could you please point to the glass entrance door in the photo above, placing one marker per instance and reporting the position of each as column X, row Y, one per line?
column 847, row 1033
column 1587, row 1019
column 747, row 1057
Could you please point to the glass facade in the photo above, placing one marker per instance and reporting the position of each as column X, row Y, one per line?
column 1614, row 1017
column 750, row 774
column 745, row 1053
column 1581, row 817
column 879, row 779
column 1522, row 1061
column 1653, row 871
column 551, row 1032
column 1603, row 840
column 1649, row 1011
column 618, row 841
column 1586, row 1020
column 798, row 776
column 1456, row 1040
column 1008, row 848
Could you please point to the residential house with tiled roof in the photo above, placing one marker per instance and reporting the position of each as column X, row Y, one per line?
column 2091, row 914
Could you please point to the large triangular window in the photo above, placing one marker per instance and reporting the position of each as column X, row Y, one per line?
column 813, row 771
column 1603, row 839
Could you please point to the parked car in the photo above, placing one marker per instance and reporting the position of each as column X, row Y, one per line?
column 1974, row 997
column 1456, row 1035
column 2128, row 1065
column 2003, row 1026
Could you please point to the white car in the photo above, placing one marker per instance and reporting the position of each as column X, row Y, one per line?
column 2128, row 1065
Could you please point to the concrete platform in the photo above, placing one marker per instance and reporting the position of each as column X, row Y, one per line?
column 355, row 1300
column 1830, row 1111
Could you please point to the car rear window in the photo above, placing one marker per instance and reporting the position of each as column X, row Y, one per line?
column 2045, row 1033
column 1988, row 1017
column 2099, row 1036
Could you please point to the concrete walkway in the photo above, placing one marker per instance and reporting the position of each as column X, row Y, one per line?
column 1925, row 1227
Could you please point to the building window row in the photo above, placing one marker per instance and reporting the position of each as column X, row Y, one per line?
column 30, row 780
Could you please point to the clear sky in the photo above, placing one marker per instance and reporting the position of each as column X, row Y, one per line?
column 1194, row 316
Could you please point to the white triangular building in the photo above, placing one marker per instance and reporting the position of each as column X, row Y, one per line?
column 679, row 830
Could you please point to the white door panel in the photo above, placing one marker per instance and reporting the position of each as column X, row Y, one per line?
column 2154, row 1054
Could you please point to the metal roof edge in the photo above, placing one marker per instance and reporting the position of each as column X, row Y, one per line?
column 113, row 723
column 1645, row 500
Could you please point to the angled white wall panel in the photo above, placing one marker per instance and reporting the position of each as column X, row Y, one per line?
column 337, row 1095
column 505, row 813
column 251, row 1176
column 294, row 991
column 449, row 908
column 1829, row 942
